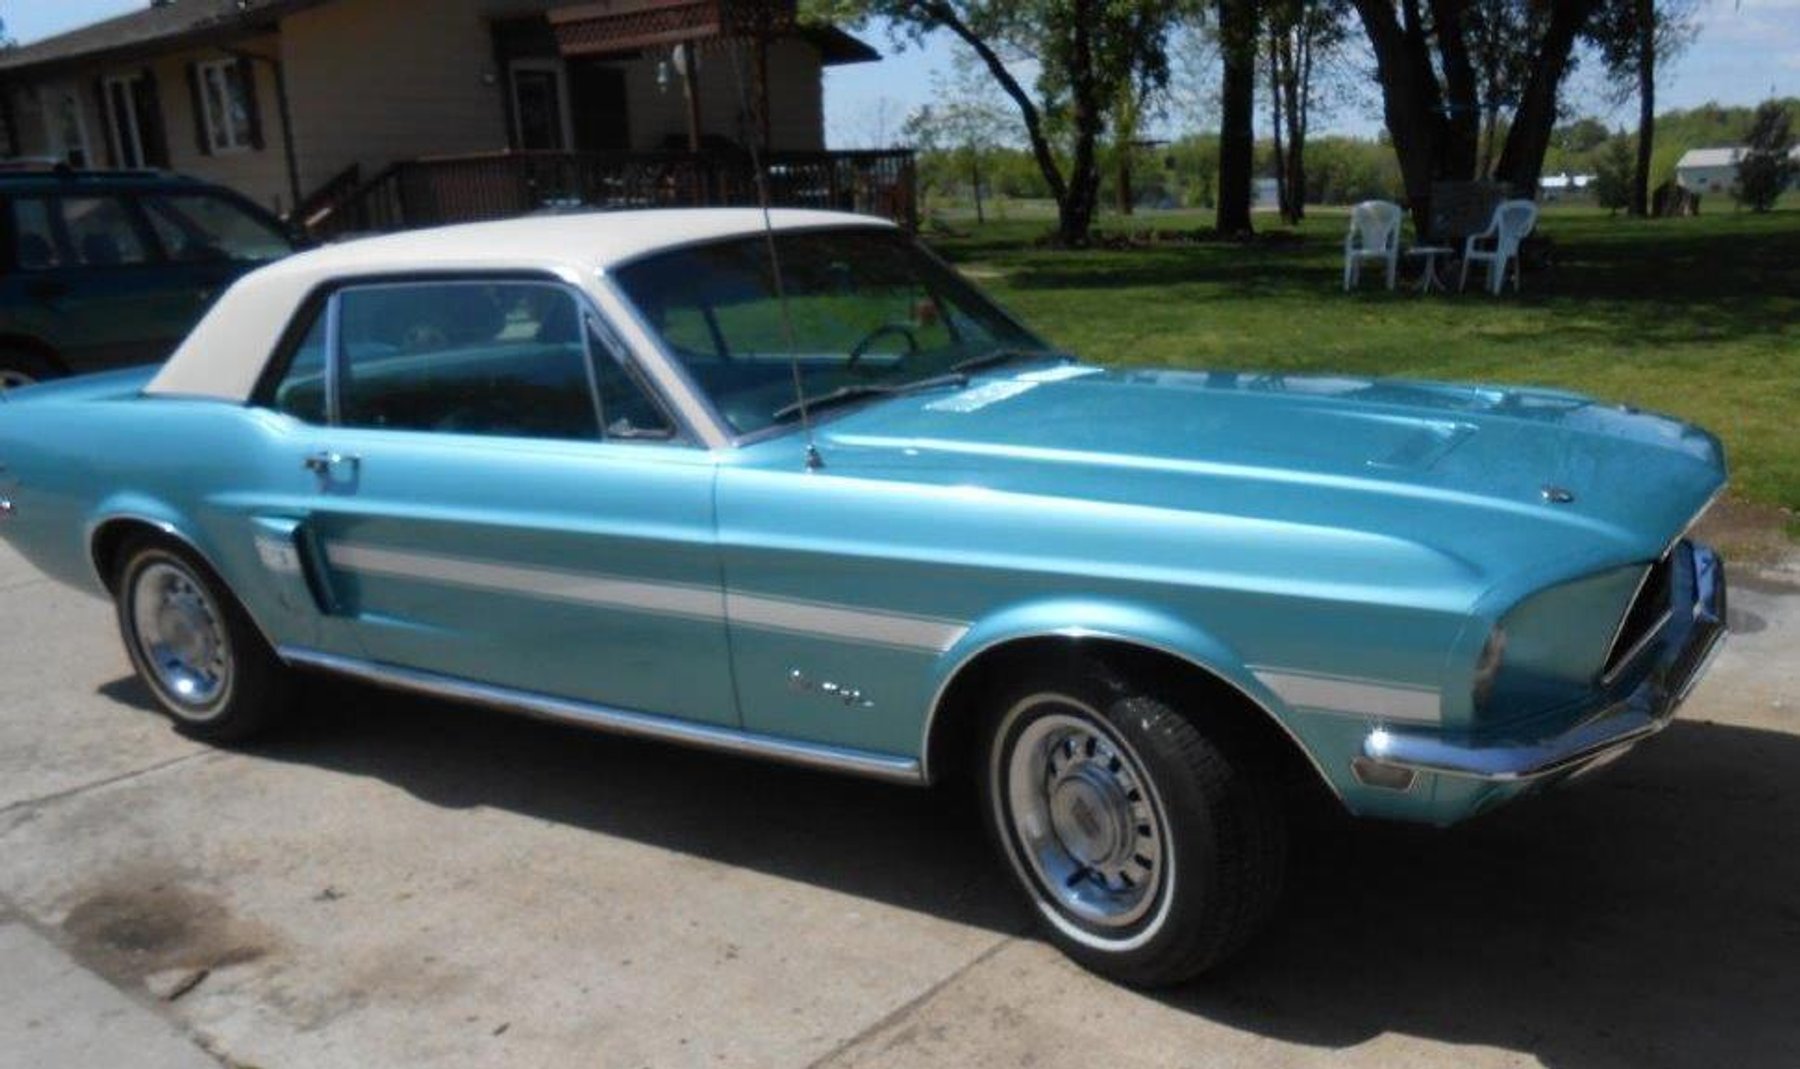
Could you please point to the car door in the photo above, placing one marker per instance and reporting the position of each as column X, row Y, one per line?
column 497, row 498
column 94, row 285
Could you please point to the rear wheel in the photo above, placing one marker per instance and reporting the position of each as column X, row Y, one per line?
column 194, row 646
column 1151, row 850
column 22, row 369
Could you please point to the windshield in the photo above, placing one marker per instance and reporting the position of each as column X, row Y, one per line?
column 871, row 312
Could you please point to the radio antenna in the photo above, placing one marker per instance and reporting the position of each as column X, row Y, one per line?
column 759, row 165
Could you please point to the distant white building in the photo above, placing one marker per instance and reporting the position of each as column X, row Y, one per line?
column 1712, row 170
column 1561, row 186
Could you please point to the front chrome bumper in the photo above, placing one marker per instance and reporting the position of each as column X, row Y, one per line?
column 1686, row 647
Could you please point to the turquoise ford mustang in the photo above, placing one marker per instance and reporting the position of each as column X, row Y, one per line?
column 793, row 488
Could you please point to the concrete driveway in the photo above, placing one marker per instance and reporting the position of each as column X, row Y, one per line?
column 402, row 882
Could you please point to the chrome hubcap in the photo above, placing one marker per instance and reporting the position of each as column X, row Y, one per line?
column 1085, row 821
column 181, row 635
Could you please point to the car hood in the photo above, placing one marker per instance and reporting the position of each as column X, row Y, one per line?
column 1476, row 472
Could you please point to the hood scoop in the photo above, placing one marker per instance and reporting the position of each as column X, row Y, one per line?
column 1428, row 443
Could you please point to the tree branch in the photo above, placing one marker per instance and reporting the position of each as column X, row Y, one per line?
column 942, row 13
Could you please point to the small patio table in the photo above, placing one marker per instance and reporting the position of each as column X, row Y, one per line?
column 1428, row 277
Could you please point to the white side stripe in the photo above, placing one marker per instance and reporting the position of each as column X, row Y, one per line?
column 854, row 625
column 1388, row 701
column 672, row 599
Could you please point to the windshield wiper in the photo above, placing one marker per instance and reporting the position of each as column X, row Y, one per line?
column 858, row 391
column 996, row 357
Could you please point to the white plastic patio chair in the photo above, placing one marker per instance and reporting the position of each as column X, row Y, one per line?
column 1512, row 221
column 1374, row 235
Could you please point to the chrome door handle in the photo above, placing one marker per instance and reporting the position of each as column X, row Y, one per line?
column 322, row 463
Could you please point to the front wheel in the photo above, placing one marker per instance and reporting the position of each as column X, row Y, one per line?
column 1150, row 849
column 195, row 646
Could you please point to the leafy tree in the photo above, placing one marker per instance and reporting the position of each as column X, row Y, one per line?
column 1766, row 168
column 1636, row 38
column 1430, row 60
column 1580, row 137
column 1303, row 36
column 1613, row 175
column 963, row 126
column 1088, row 53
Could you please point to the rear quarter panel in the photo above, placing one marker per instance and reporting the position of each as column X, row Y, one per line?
column 89, row 451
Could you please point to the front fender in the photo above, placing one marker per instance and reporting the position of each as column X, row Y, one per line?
column 1136, row 625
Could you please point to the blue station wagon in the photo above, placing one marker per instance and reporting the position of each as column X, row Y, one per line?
column 105, row 269
column 793, row 488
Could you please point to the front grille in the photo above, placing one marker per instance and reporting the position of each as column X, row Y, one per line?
column 1645, row 616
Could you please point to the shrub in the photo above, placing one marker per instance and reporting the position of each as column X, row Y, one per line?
column 1766, row 169
column 1612, row 174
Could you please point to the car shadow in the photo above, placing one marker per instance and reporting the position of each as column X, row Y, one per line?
column 1648, row 917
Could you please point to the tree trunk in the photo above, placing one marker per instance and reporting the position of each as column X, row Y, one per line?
column 1237, row 136
column 1410, row 102
column 1282, row 195
column 1075, row 215
column 1461, row 122
column 1640, row 180
column 1125, row 132
column 1299, row 97
column 1522, row 160
column 975, row 175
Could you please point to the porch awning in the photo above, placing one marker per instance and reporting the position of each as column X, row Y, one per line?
column 616, row 27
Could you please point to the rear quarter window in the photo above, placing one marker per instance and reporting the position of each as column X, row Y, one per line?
column 34, row 246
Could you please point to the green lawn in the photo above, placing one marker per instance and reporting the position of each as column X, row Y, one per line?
column 1698, row 317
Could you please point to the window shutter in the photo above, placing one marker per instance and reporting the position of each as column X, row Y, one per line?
column 151, row 127
column 247, row 76
column 109, row 122
column 202, row 143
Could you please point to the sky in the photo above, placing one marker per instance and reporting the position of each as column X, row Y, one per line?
column 1747, row 50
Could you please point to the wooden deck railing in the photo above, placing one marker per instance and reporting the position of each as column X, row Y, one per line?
column 455, row 189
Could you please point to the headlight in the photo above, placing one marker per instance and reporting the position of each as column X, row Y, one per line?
column 1487, row 666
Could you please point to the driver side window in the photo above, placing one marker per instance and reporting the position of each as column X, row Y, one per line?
column 465, row 358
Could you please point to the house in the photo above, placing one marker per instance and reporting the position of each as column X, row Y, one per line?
column 403, row 112
column 1712, row 170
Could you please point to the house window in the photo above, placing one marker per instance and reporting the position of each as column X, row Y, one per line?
column 538, row 105
column 225, row 102
column 130, row 116
column 67, row 125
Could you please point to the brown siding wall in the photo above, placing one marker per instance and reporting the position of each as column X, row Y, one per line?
column 375, row 81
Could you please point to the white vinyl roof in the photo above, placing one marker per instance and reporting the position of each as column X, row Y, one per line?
column 225, row 353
